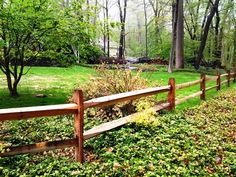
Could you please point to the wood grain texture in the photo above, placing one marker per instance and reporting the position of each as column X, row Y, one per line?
column 79, row 125
column 171, row 94
column 212, row 87
column 211, row 78
column 117, row 123
column 179, row 101
column 225, row 81
column 38, row 111
column 188, row 84
column 203, row 87
column 39, row 147
column 218, row 82
column 113, row 99
column 224, row 75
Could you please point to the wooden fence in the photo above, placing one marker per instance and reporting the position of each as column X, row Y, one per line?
column 79, row 105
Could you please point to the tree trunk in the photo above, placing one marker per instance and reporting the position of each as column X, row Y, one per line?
column 172, row 53
column 122, row 30
column 104, row 31
column 205, row 34
column 121, row 43
column 180, row 36
column 217, row 52
column 107, row 30
column 139, row 30
column 11, row 87
column 234, row 51
column 146, row 28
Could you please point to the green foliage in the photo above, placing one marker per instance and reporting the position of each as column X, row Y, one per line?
column 75, row 36
column 159, row 45
column 108, row 82
column 146, row 114
column 24, row 23
column 220, row 44
column 116, row 80
column 90, row 53
column 196, row 142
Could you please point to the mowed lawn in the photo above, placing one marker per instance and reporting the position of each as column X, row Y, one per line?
column 57, row 84
column 54, row 82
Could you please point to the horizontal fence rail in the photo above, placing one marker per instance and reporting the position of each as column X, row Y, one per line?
column 38, row 111
column 213, row 78
column 113, row 99
column 179, row 101
column 188, row 84
column 40, row 147
column 77, row 108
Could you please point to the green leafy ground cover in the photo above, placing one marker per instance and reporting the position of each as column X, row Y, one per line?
column 198, row 141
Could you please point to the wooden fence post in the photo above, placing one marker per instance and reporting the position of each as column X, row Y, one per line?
column 234, row 77
column 171, row 94
column 229, row 77
column 218, row 81
column 203, row 87
column 79, row 126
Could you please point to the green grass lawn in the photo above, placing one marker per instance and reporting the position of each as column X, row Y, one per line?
column 58, row 83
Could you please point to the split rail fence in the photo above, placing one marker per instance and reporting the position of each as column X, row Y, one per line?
column 77, row 108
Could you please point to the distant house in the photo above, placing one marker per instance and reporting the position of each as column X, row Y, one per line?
column 113, row 48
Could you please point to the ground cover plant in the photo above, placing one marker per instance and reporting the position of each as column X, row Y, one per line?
column 198, row 141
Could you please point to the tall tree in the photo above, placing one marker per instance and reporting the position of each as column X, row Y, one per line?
column 204, row 36
column 146, row 27
column 180, row 35
column 122, row 27
column 174, row 24
column 107, row 29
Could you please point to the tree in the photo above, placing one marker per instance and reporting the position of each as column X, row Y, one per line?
column 177, row 49
column 228, row 36
column 146, row 27
column 180, row 35
column 204, row 36
column 75, row 21
column 160, row 9
column 23, row 24
column 174, row 24
column 107, row 28
column 122, row 27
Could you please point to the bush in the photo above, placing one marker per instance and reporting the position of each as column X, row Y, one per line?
column 51, row 58
column 64, row 58
column 108, row 82
column 90, row 54
column 147, row 115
